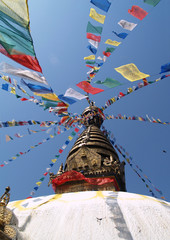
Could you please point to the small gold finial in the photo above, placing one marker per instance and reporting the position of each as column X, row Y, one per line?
column 4, row 199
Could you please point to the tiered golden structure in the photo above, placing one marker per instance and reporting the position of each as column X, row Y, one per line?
column 94, row 156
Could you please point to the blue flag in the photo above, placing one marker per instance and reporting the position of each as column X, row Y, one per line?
column 165, row 68
column 37, row 88
column 66, row 99
column 5, row 86
column 93, row 50
column 102, row 4
column 120, row 35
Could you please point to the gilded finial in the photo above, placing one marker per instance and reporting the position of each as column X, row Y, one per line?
column 4, row 199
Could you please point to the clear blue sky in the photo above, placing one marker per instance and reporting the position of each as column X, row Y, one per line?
column 58, row 30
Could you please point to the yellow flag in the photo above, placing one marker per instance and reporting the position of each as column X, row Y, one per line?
column 70, row 138
column 96, row 68
column 17, row 9
column 114, row 43
column 13, row 90
column 53, row 160
column 51, row 136
column 96, row 16
column 6, row 78
column 38, row 183
column 50, row 96
column 14, row 158
column 131, row 72
column 91, row 57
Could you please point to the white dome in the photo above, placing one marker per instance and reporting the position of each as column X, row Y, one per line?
column 95, row 215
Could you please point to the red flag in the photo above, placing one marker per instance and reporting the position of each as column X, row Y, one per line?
column 107, row 54
column 24, row 99
column 60, row 150
column 25, row 60
column 121, row 94
column 89, row 66
column 45, row 174
column 88, row 88
column 76, row 130
column 145, row 82
column 63, row 119
column 93, row 37
column 137, row 12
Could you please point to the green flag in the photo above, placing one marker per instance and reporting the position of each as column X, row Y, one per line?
column 92, row 29
column 109, row 82
column 110, row 49
column 90, row 62
column 152, row 2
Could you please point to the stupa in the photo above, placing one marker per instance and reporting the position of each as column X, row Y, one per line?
column 90, row 200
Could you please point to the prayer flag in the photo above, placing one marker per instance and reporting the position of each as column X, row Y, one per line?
column 23, row 73
column 127, row 25
column 102, row 4
column 88, row 88
column 114, row 43
column 6, row 78
column 53, row 160
column 13, row 90
column 50, row 96
column 110, row 49
column 131, row 72
column 92, row 29
column 93, row 37
column 165, row 68
column 70, row 138
column 120, row 35
column 137, row 12
column 73, row 93
column 38, row 183
column 107, row 54
column 8, row 138
column 15, row 38
column 66, row 99
column 152, row 2
column 37, row 88
column 109, row 82
column 94, row 43
column 96, row 16
column 76, row 130
column 93, row 50
column 91, row 57
column 90, row 62
column 5, row 86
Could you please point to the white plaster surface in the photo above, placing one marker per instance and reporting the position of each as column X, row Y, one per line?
column 93, row 215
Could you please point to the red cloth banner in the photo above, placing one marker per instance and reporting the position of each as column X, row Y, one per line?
column 88, row 88
column 137, row 12
column 77, row 176
column 25, row 60
column 93, row 37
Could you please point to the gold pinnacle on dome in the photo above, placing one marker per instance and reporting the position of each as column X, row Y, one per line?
column 92, row 158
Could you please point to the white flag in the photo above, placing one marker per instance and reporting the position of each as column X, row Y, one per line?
column 27, row 74
column 91, row 70
column 94, row 43
column 72, row 93
column 127, row 25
